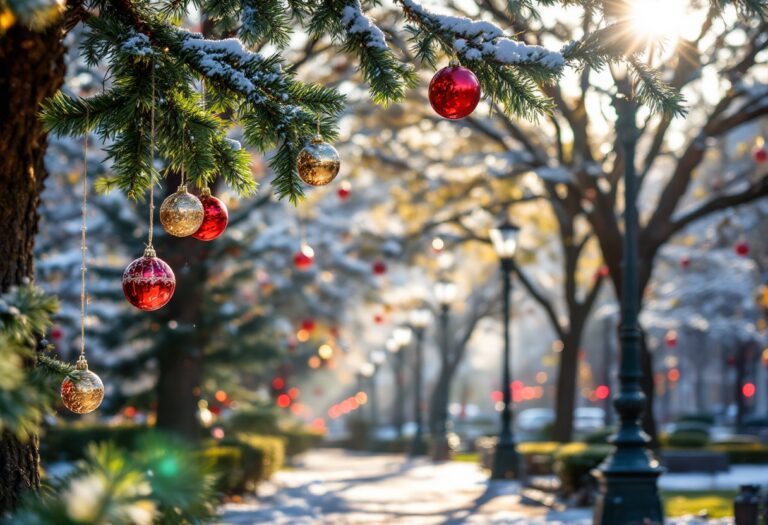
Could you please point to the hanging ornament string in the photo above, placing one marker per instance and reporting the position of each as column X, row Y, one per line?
column 82, row 391
column 83, row 246
column 152, row 163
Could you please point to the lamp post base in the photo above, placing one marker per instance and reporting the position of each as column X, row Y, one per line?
column 628, row 495
column 506, row 461
column 440, row 449
column 418, row 448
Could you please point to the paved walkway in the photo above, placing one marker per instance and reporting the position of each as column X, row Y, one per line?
column 331, row 487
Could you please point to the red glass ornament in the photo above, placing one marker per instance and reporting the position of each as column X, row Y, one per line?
column 308, row 325
column 742, row 248
column 148, row 282
column 215, row 217
column 56, row 333
column 344, row 190
column 304, row 258
column 379, row 268
column 760, row 155
column 378, row 318
column 671, row 339
column 454, row 92
column 685, row 262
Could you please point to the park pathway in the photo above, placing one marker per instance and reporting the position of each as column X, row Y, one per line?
column 332, row 487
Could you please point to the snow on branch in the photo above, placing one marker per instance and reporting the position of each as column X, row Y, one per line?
column 478, row 40
column 357, row 23
column 228, row 61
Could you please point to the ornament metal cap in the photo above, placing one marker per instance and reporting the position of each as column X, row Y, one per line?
column 454, row 62
column 182, row 188
column 317, row 139
column 81, row 364
column 205, row 192
column 149, row 251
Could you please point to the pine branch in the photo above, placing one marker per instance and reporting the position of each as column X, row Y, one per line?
column 345, row 21
column 54, row 366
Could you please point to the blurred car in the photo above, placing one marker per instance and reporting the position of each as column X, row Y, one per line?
column 588, row 419
column 535, row 419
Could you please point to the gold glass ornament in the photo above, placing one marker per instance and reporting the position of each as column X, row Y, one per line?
column 318, row 163
column 181, row 213
column 83, row 391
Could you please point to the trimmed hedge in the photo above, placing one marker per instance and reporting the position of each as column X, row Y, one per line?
column 69, row 442
column 539, row 456
column 227, row 463
column 686, row 439
column 574, row 461
column 739, row 453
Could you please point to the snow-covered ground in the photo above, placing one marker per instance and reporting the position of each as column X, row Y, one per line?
column 331, row 487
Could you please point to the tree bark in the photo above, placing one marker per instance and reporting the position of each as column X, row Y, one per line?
column 32, row 66
column 565, row 396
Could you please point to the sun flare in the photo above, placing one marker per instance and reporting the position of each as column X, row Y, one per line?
column 660, row 19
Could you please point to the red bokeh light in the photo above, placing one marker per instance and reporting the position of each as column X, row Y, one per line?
column 379, row 268
column 497, row 395
column 748, row 389
column 283, row 400
column 602, row 392
column 278, row 383
column 673, row 374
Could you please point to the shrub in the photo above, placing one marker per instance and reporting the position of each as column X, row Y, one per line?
column 574, row 461
column 539, row 456
column 70, row 442
column 743, row 452
column 227, row 463
column 300, row 439
column 258, row 420
column 687, row 439
column 262, row 456
column 702, row 419
column 599, row 437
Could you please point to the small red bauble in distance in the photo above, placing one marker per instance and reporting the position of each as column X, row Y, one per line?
column 56, row 333
column 378, row 318
column 671, row 339
column 215, row 217
column 454, row 92
column 308, row 325
column 760, row 154
column 379, row 268
column 148, row 282
column 345, row 188
column 742, row 248
column 304, row 258
column 685, row 262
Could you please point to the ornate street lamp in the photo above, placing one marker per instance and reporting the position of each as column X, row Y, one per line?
column 400, row 339
column 628, row 477
column 445, row 293
column 419, row 319
column 506, row 460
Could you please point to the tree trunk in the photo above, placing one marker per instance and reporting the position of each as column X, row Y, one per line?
column 32, row 66
column 565, row 397
column 181, row 356
column 438, row 405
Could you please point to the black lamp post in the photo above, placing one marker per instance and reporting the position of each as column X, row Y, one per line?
column 400, row 339
column 506, row 459
column 377, row 359
column 445, row 293
column 628, row 477
column 419, row 320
